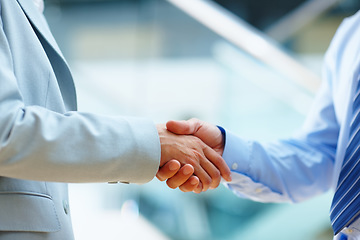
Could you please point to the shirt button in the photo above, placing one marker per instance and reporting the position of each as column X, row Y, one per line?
column 234, row 166
column 66, row 207
column 258, row 190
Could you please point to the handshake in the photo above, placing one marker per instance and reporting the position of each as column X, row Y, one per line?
column 191, row 155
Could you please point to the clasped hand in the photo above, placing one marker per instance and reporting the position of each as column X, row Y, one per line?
column 191, row 155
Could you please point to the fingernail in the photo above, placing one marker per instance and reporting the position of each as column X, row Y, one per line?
column 173, row 166
column 194, row 182
column 187, row 171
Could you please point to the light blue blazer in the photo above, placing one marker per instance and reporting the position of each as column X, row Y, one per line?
column 45, row 143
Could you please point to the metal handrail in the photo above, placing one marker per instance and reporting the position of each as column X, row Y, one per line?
column 248, row 38
column 302, row 16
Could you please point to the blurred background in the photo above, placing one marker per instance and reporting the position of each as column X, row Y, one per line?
column 251, row 66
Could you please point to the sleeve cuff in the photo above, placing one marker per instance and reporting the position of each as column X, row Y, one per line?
column 236, row 153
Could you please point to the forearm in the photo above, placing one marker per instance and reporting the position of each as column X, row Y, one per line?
column 38, row 144
column 291, row 170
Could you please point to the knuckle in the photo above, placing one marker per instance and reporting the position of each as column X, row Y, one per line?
column 193, row 160
column 216, row 174
column 196, row 142
column 197, row 155
column 218, row 160
column 217, row 183
column 207, row 181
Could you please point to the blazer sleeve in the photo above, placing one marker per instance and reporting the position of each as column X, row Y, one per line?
column 43, row 145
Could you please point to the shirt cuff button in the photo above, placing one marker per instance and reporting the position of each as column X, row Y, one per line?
column 234, row 166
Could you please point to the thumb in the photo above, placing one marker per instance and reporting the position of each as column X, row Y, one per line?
column 182, row 127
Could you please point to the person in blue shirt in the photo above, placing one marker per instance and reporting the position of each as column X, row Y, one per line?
column 309, row 163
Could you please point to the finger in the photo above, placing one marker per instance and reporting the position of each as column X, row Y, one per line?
column 214, row 174
column 202, row 169
column 218, row 162
column 198, row 189
column 181, row 176
column 168, row 170
column 183, row 127
column 210, row 169
column 190, row 185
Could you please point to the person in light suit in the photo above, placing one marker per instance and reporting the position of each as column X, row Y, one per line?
column 45, row 143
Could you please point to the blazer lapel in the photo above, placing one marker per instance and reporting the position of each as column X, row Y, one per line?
column 56, row 58
column 38, row 21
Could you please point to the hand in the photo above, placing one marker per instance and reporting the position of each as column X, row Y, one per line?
column 207, row 164
column 182, row 178
column 208, row 133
